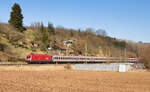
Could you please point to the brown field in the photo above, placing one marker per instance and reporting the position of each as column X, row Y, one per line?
column 73, row 81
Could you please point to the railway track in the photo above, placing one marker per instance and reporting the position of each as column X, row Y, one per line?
column 28, row 64
column 33, row 64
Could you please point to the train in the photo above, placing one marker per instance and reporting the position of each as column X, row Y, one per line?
column 34, row 58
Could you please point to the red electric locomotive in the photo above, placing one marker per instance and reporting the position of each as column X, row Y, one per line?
column 38, row 58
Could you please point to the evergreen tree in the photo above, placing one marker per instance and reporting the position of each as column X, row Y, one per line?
column 42, row 27
column 16, row 18
column 71, row 33
column 44, row 33
column 79, row 31
column 51, row 29
column 45, row 37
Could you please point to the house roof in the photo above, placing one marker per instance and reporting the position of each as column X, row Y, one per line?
column 71, row 50
column 59, row 47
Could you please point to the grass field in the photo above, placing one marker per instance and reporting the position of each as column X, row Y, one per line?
column 73, row 81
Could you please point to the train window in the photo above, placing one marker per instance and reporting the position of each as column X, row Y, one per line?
column 101, row 59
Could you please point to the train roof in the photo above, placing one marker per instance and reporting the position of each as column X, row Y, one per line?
column 77, row 56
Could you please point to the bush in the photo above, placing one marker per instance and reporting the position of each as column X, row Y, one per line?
column 145, row 57
column 68, row 66
column 3, row 47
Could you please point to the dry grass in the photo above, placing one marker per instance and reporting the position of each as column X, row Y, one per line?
column 73, row 81
column 32, row 68
column 14, row 62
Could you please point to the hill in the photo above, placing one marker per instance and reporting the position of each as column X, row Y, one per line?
column 15, row 45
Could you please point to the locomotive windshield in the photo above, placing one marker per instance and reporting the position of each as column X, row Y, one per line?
column 28, row 57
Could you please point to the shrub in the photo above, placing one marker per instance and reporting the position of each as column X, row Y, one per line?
column 145, row 57
column 68, row 66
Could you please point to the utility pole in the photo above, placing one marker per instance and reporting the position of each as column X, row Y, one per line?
column 86, row 48
column 85, row 52
column 125, row 52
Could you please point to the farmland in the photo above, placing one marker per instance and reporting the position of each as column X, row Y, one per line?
column 73, row 81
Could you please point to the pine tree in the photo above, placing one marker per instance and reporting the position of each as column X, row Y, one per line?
column 44, row 33
column 51, row 29
column 71, row 33
column 42, row 27
column 45, row 37
column 16, row 18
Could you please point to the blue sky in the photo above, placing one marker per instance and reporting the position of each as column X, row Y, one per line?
column 123, row 19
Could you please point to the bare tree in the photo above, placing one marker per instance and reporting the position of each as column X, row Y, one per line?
column 101, row 32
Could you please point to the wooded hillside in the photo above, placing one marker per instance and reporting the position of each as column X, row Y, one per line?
column 38, row 39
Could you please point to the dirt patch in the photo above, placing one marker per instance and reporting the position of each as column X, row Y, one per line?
column 73, row 81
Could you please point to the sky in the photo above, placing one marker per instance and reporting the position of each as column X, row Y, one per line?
column 122, row 19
